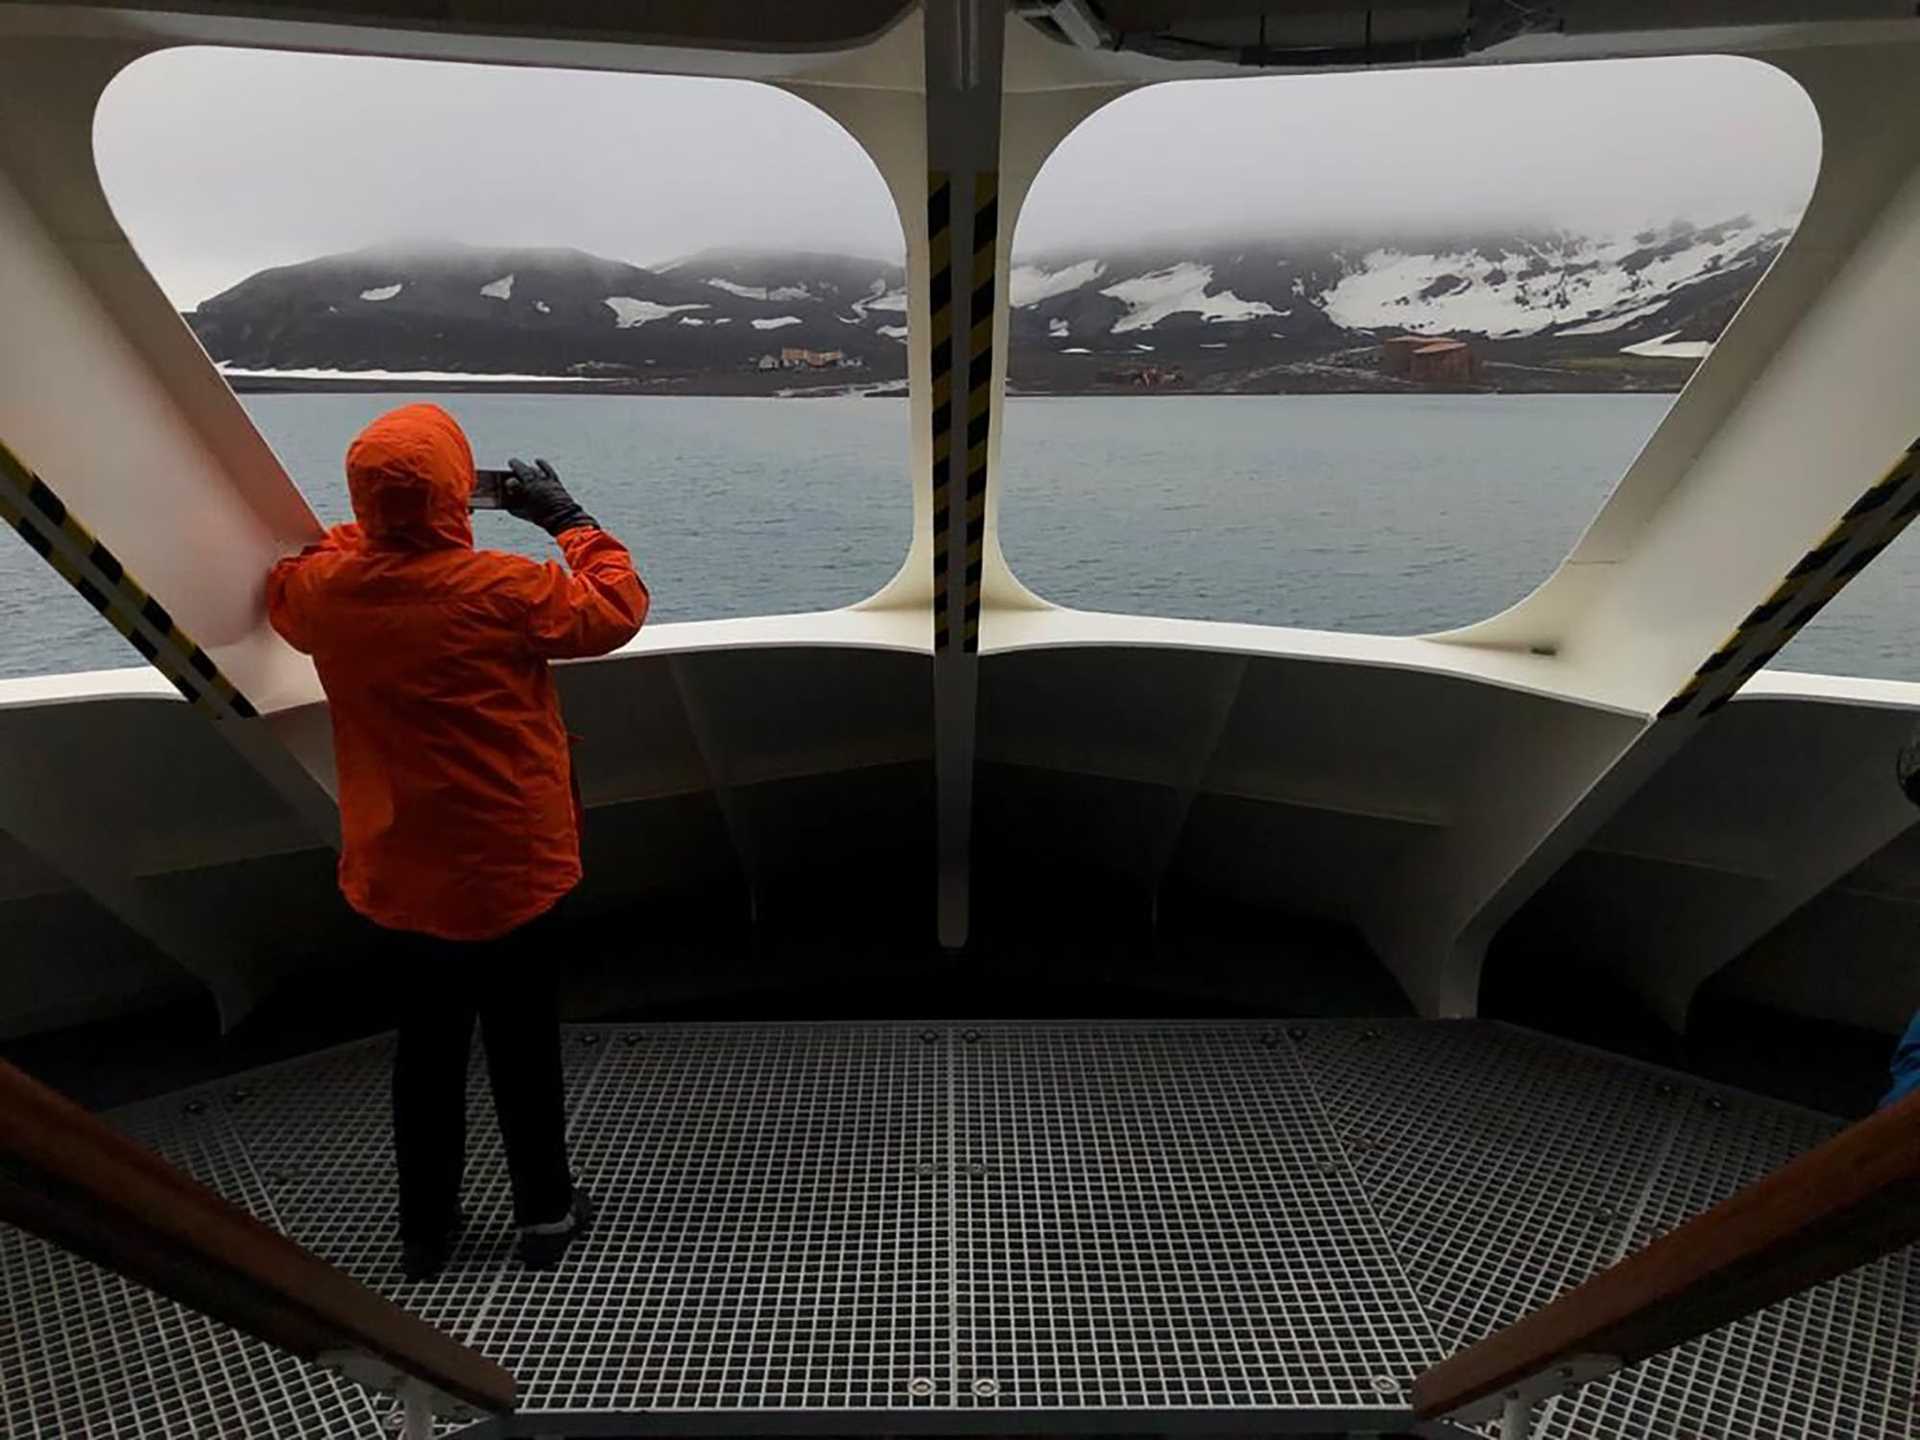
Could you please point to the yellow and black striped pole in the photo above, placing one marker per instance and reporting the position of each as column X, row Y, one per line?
column 940, row 328
column 981, row 317
column 963, row 267
column 78, row 556
column 1869, row 525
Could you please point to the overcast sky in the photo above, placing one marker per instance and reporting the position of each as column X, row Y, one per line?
column 220, row 163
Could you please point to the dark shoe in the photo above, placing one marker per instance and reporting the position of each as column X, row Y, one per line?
column 541, row 1246
column 422, row 1259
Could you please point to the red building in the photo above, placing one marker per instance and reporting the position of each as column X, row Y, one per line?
column 1429, row 359
column 1396, row 355
column 1442, row 362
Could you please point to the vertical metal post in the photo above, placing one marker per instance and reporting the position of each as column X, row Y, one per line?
column 964, row 41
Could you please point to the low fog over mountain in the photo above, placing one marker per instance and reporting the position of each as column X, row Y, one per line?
column 1538, row 310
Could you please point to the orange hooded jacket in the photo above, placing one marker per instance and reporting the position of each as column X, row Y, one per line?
column 457, row 806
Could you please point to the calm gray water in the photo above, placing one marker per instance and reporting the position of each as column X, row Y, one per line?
column 1374, row 513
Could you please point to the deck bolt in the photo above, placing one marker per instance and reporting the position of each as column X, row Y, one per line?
column 195, row 1107
column 986, row 1387
column 1386, row 1385
column 920, row 1387
column 632, row 1037
column 926, row 1167
column 978, row 1167
column 929, row 1036
column 972, row 1037
column 1298, row 1032
column 1715, row 1103
column 592, row 1037
column 1369, row 1034
column 239, row 1096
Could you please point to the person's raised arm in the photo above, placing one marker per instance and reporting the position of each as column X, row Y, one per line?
column 285, row 599
column 603, row 603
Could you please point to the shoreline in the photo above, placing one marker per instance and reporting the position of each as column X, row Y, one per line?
column 1351, row 371
column 262, row 383
column 883, row 390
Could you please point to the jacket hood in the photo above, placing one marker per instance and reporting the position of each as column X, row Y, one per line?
column 410, row 474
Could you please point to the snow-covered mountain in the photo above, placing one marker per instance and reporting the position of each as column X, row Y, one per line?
column 1543, row 310
column 555, row 312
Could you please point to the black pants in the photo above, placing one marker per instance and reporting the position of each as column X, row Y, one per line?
column 511, row 985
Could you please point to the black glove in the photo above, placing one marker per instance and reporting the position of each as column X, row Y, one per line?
column 1906, row 767
column 536, row 494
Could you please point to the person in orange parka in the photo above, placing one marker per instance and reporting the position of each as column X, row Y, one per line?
column 460, row 819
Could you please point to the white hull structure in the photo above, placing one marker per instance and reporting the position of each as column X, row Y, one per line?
column 1559, row 800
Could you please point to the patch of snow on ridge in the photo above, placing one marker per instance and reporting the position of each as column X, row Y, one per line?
column 543, row 307
column 1437, row 294
column 777, row 322
column 1665, row 347
column 894, row 332
column 1594, row 282
column 501, row 289
column 880, row 298
column 1616, row 322
column 629, row 312
column 1180, row 290
column 689, row 320
column 1029, row 284
column 762, row 292
column 1058, row 328
column 383, row 292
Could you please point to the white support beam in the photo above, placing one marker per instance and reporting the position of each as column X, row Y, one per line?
column 1807, row 399
column 1536, row 798
column 106, row 393
column 964, row 275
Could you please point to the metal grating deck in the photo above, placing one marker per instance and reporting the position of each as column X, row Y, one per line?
column 1162, row 1219
column 893, row 1227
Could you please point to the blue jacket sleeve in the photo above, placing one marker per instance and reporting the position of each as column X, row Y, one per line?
column 1906, row 1065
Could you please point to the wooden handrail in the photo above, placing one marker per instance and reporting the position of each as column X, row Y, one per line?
column 69, row 1177
column 1837, row 1207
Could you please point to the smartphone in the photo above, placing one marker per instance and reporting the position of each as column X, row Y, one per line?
column 490, row 489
